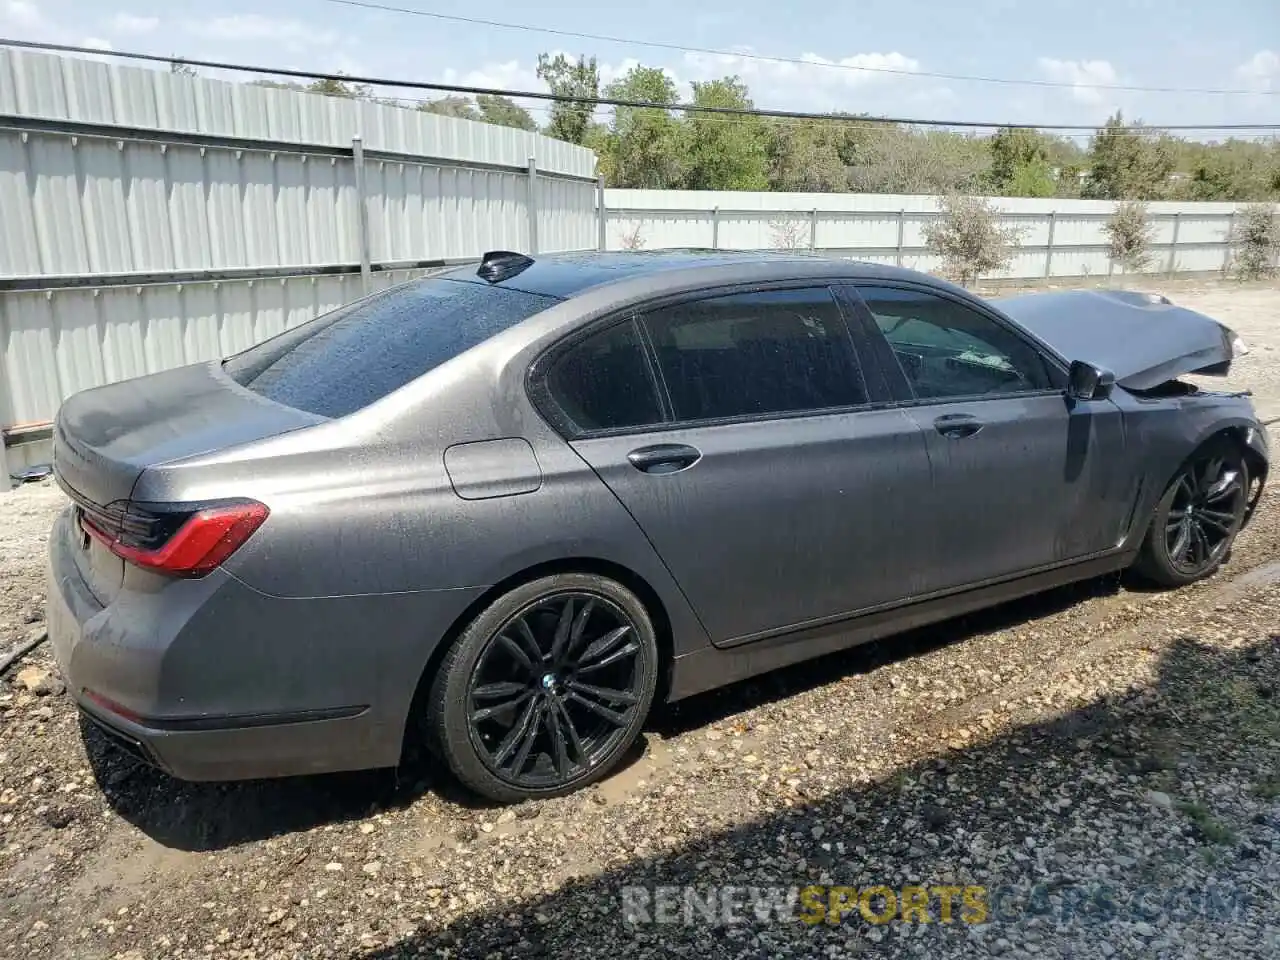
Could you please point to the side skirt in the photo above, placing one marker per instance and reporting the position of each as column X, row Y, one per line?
column 711, row 667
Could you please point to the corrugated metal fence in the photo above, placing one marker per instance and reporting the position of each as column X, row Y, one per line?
column 149, row 219
column 1060, row 238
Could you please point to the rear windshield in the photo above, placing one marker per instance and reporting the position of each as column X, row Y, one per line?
column 342, row 361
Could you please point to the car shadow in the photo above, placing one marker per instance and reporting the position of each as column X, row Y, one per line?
column 197, row 816
column 1005, row 815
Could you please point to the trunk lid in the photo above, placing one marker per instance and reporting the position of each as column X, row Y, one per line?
column 104, row 438
column 1143, row 340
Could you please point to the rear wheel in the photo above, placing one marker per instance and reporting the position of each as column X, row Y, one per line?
column 546, row 689
column 1198, row 517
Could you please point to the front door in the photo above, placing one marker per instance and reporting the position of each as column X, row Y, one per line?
column 1022, row 479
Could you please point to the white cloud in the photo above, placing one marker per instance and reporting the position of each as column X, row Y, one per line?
column 818, row 80
column 1261, row 72
column 293, row 35
column 133, row 24
column 20, row 13
column 1083, row 75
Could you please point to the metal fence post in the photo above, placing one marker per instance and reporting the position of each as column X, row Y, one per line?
column 533, row 206
column 602, row 242
column 1173, row 247
column 1048, row 253
column 813, row 229
column 715, row 228
column 1230, row 239
column 362, row 213
column 6, row 483
column 902, row 227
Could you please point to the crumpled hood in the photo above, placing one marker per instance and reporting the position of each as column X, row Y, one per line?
column 1143, row 340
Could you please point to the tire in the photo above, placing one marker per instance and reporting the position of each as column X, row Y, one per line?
column 1205, row 502
column 532, row 702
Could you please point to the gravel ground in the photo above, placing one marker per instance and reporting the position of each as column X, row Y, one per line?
column 1100, row 760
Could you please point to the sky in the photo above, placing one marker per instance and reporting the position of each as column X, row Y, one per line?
column 1219, row 44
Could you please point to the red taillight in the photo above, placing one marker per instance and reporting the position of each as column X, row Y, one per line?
column 205, row 539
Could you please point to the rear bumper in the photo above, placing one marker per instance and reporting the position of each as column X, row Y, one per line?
column 210, row 680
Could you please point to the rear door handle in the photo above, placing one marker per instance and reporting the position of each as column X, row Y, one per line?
column 664, row 458
column 956, row 426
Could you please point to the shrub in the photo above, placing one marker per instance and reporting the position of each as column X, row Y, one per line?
column 1257, row 235
column 969, row 238
column 789, row 234
column 1130, row 234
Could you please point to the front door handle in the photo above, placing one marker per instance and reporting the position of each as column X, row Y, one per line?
column 664, row 458
column 956, row 426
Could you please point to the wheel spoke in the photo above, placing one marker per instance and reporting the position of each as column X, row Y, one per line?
column 617, row 719
column 1185, row 487
column 1200, row 544
column 484, row 713
column 530, row 642
column 628, row 650
column 603, row 693
column 526, row 745
column 517, row 653
column 569, row 728
column 1208, row 474
column 602, row 646
column 528, row 720
column 559, row 745
column 1177, row 553
column 1217, row 519
column 561, row 638
column 1228, row 486
column 503, row 688
column 1174, row 518
column 580, row 625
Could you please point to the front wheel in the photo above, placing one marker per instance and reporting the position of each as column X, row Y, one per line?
column 546, row 689
column 1198, row 517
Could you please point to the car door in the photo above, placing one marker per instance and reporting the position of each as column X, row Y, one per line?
column 774, row 490
column 1022, row 477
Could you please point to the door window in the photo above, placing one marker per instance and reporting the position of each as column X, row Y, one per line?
column 946, row 349
column 603, row 383
column 772, row 351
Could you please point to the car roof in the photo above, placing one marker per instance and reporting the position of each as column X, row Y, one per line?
column 565, row 275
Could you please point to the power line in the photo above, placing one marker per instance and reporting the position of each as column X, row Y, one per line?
column 899, row 71
column 606, row 101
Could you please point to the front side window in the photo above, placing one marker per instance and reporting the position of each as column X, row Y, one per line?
column 772, row 351
column 946, row 349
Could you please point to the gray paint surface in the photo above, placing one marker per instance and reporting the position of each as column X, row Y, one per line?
column 389, row 528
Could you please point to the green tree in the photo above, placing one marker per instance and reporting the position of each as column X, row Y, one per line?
column 340, row 88
column 969, row 238
column 580, row 83
column 894, row 159
column 725, row 152
column 460, row 108
column 181, row 68
column 1129, row 236
column 1129, row 163
column 1020, row 164
column 805, row 155
column 504, row 112
column 645, row 142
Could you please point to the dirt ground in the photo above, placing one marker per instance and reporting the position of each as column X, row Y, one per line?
column 1101, row 760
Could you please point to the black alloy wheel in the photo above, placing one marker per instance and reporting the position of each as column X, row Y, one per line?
column 1204, row 514
column 1198, row 517
column 547, row 688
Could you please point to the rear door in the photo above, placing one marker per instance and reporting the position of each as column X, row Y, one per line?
column 739, row 433
column 1021, row 477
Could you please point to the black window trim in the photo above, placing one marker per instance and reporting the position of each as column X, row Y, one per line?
column 881, row 353
column 546, row 404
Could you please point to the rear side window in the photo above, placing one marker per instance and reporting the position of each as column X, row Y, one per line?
column 773, row 351
column 348, row 358
column 604, row 383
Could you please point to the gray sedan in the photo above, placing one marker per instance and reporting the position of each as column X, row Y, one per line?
column 510, row 506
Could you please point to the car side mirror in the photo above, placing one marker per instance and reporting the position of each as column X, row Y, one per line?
column 1087, row 382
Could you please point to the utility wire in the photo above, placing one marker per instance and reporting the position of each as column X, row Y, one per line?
column 661, row 45
column 606, row 101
